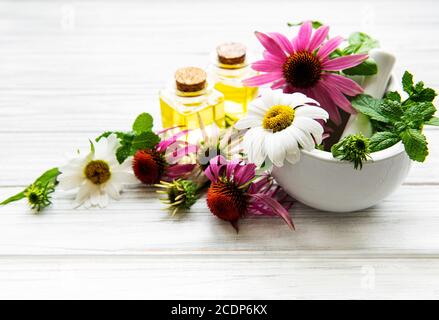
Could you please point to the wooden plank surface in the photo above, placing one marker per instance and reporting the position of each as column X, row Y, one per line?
column 71, row 69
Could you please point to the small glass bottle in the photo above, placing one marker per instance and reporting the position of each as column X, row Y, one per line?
column 190, row 101
column 230, row 67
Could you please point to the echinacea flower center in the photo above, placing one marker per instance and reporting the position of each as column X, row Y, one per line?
column 149, row 166
column 97, row 171
column 278, row 118
column 302, row 69
column 226, row 200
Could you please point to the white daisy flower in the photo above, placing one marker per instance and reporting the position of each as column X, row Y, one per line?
column 97, row 175
column 280, row 124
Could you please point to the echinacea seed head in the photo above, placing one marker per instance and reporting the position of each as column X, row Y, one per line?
column 97, row 171
column 278, row 118
column 302, row 69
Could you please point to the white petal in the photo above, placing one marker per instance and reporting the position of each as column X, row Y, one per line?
column 293, row 157
column 72, row 181
column 275, row 149
column 254, row 145
column 258, row 108
column 299, row 99
column 267, row 96
column 278, row 97
column 312, row 112
column 84, row 193
column 123, row 177
column 103, row 200
column 113, row 190
column 248, row 122
column 95, row 196
column 289, row 141
column 305, row 140
column 311, row 126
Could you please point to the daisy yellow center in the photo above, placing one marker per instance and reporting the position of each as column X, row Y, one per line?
column 97, row 171
column 302, row 69
column 278, row 118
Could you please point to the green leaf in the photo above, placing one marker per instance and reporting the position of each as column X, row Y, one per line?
column 366, row 68
column 383, row 140
column 106, row 134
column 143, row 123
column 434, row 121
column 424, row 95
column 145, row 140
column 415, row 144
column 407, row 82
column 16, row 197
column 369, row 106
column 48, row 177
column 123, row 152
column 419, row 112
column 393, row 95
column 360, row 42
column 390, row 109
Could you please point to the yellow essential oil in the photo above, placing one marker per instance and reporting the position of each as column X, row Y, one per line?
column 191, row 103
column 228, row 71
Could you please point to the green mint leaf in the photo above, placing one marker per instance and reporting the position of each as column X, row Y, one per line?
column 123, row 152
column 369, row 106
column 362, row 43
column 392, row 110
column 14, row 198
column 393, row 95
column 415, row 144
column 145, row 140
column 104, row 135
column 383, row 140
column 366, row 68
column 420, row 112
column 434, row 121
column 143, row 123
column 424, row 95
column 120, row 135
column 407, row 82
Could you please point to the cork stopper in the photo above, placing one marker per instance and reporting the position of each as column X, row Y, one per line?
column 190, row 79
column 231, row 53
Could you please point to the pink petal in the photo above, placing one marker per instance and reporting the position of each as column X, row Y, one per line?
column 268, row 56
column 302, row 41
column 275, row 207
column 318, row 38
column 231, row 167
column 179, row 170
column 345, row 62
column 319, row 93
column 329, row 47
column 283, row 42
column 245, row 173
column 338, row 97
column 270, row 44
column 263, row 79
column 266, row 66
column 278, row 84
column 345, row 85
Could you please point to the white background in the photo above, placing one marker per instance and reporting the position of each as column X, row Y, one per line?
column 70, row 70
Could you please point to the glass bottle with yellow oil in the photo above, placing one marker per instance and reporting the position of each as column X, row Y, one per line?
column 190, row 101
column 229, row 68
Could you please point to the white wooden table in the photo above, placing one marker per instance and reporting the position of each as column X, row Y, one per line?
column 70, row 70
